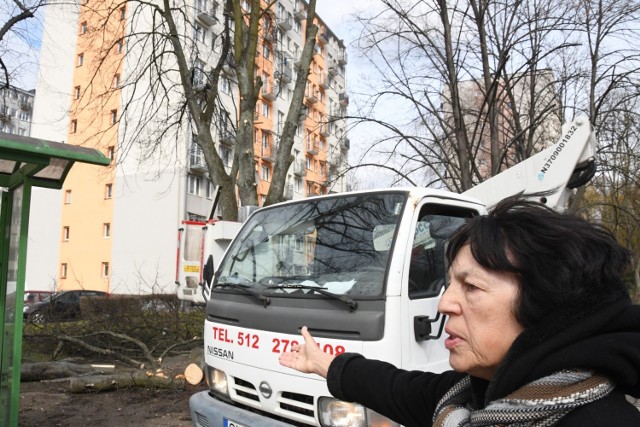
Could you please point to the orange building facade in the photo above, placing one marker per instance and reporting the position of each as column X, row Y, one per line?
column 117, row 227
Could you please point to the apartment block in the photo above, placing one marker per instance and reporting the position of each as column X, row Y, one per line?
column 118, row 226
column 16, row 107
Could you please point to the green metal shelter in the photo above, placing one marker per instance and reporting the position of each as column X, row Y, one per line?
column 24, row 163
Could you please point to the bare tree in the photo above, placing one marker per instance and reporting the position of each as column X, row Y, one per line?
column 475, row 78
column 14, row 13
column 170, row 90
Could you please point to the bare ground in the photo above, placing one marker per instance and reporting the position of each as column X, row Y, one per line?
column 50, row 404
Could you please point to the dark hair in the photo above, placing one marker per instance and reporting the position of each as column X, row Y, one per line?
column 561, row 261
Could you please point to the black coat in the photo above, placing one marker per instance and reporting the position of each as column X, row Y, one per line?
column 607, row 342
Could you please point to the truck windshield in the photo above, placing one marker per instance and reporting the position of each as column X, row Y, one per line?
column 339, row 245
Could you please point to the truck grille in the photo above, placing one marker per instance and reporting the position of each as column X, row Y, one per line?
column 246, row 389
column 300, row 406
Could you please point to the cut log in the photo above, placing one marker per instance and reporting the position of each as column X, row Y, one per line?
column 41, row 371
column 193, row 374
column 123, row 380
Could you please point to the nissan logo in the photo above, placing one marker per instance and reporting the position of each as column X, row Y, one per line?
column 265, row 389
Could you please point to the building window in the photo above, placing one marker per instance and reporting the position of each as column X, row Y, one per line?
column 116, row 81
column 80, row 60
column 67, row 197
column 111, row 152
column 105, row 270
column 83, row 27
column 209, row 190
column 114, row 117
column 119, row 46
column 225, row 85
column 200, row 33
column 106, row 230
column 309, row 164
column 266, row 51
column 225, row 155
column 108, row 191
column 265, row 173
column 74, row 126
column 198, row 73
column 65, row 233
column 266, row 109
column 123, row 13
column 76, row 92
column 194, row 185
column 63, row 270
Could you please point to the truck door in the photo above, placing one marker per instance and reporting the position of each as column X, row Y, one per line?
column 424, row 282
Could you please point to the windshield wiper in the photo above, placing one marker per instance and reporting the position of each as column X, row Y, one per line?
column 353, row 304
column 246, row 289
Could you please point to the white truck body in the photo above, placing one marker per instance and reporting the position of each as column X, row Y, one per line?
column 363, row 271
column 200, row 242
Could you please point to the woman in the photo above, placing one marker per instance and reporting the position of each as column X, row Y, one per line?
column 541, row 332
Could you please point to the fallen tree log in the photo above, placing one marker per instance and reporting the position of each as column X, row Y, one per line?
column 194, row 372
column 41, row 371
column 138, row 378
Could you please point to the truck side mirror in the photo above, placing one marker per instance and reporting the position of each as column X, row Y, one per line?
column 207, row 276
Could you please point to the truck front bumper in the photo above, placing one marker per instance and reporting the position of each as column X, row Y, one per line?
column 209, row 412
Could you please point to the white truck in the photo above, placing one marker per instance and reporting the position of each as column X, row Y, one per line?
column 364, row 272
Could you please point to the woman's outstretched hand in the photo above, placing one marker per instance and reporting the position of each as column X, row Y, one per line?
column 307, row 357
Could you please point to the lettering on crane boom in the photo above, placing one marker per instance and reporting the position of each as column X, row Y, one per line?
column 558, row 149
column 192, row 269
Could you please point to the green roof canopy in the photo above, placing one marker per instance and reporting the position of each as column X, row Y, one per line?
column 46, row 162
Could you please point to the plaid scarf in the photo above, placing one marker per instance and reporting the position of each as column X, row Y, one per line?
column 540, row 403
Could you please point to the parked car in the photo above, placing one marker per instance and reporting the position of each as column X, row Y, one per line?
column 61, row 306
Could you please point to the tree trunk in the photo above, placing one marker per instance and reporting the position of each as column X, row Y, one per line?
column 123, row 380
column 50, row 370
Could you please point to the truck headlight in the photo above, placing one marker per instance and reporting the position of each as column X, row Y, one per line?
column 338, row 413
column 217, row 380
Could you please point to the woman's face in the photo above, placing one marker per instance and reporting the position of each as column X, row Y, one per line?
column 480, row 305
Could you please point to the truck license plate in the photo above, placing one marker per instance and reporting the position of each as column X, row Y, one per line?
column 230, row 423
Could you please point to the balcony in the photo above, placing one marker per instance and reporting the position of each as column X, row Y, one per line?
column 269, row 91
column 312, row 98
column 285, row 74
column 287, row 194
column 207, row 17
column 299, row 168
column 324, row 130
column 336, row 113
column 333, row 160
column 323, row 82
column 344, row 99
column 196, row 161
column 312, row 147
column 227, row 137
column 300, row 13
column 268, row 152
column 345, row 144
column 285, row 22
column 323, row 36
column 303, row 113
column 269, row 35
column 333, row 70
column 342, row 58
